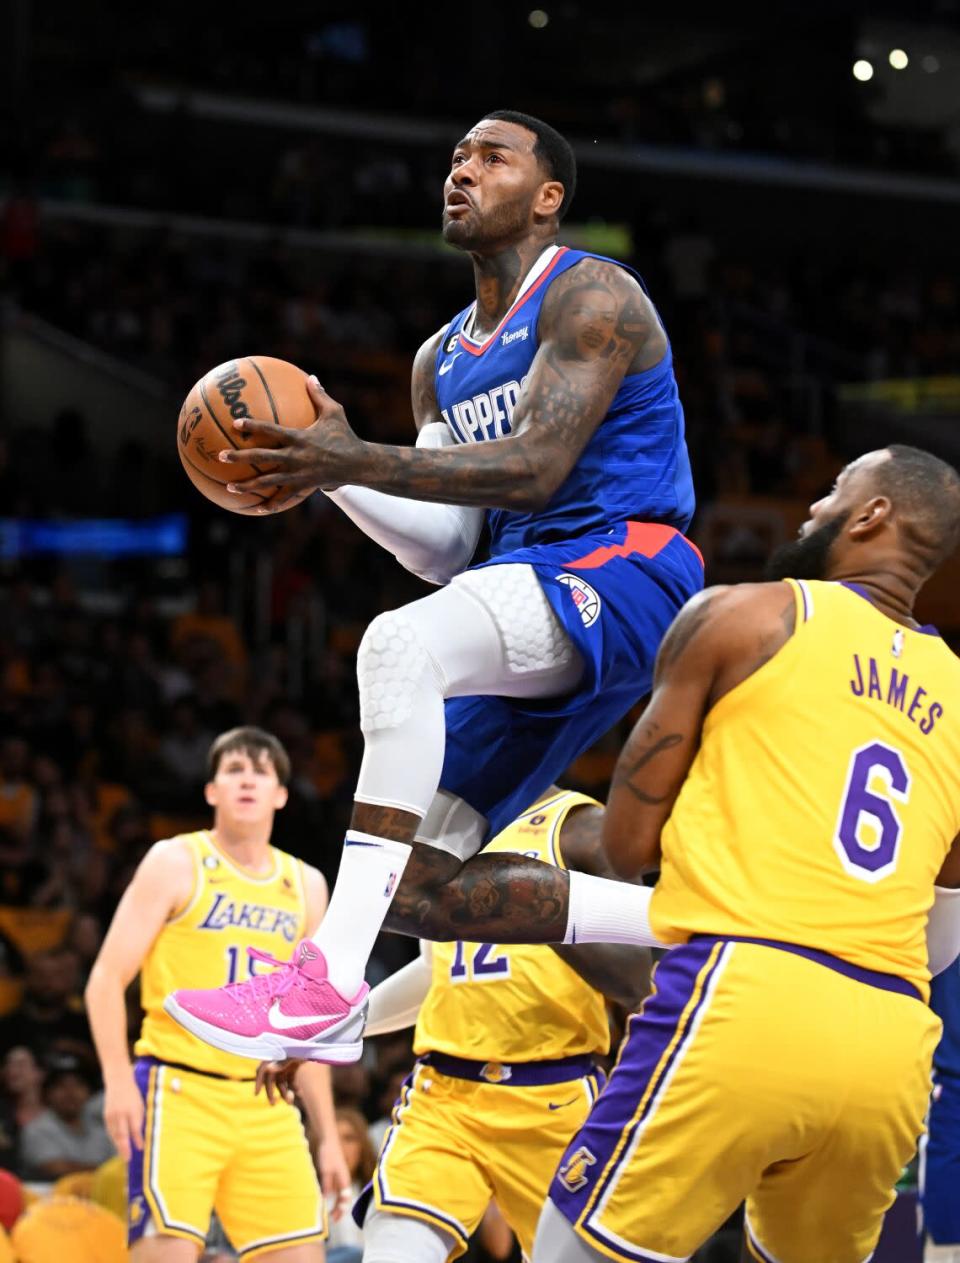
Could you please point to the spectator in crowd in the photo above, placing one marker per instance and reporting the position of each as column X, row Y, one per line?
column 66, row 1136
column 50, row 1018
column 21, row 1101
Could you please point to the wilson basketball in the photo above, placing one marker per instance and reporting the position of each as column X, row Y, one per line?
column 255, row 386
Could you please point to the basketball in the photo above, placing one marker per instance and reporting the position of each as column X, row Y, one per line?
column 256, row 386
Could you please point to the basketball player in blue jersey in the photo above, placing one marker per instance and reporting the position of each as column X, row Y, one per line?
column 548, row 409
column 940, row 1151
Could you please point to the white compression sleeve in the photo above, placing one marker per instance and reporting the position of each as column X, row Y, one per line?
column 943, row 929
column 395, row 1002
column 605, row 911
column 432, row 541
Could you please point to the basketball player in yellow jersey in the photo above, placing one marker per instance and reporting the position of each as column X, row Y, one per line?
column 796, row 777
column 185, row 1116
column 506, row 1039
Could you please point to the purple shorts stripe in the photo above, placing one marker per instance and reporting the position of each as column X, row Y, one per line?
column 872, row 977
column 516, row 1074
column 138, row 1210
column 654, row 1038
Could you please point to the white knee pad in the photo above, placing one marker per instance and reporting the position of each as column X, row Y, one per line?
column 401, row 1239
column 452, row 825
column 390, row 664
column 533, row 637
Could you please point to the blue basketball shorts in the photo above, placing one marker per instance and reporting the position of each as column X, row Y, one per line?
column 616, row 592
column 940, row 1162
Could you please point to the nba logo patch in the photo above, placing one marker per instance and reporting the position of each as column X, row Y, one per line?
column 389, row 887
column 584, row 598
column 573, row 1174
column 897, row 647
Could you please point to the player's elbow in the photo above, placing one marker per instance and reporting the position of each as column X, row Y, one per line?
column 624, row 858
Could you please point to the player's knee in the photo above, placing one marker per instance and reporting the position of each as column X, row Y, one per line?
column 392, row 668
column 398, row 1239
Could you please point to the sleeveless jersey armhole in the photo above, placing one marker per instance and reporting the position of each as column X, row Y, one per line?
column 803, row 596
column 301, row 871
column 194, row 846
column 574, row 802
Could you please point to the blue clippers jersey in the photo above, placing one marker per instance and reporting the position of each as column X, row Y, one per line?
column 635, row 466
column 945, row 1002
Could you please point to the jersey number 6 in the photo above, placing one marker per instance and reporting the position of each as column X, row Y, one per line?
column 867, row 837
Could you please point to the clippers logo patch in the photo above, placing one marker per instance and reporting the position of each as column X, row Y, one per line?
column 583, row 597
column 573, row 1174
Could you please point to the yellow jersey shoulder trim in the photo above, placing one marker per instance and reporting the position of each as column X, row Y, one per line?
column 194, row 844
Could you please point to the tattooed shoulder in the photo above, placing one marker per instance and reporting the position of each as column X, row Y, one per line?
column 688, row 624
column 773, row 633
column 597, row 311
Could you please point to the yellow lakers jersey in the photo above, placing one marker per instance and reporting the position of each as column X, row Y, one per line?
column 205, row 945
column 494, row 1003
column 825, row 793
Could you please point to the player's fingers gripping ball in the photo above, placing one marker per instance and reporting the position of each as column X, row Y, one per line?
column 253, row 387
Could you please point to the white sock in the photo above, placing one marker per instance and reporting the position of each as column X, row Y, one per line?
column 370, row 871
column 605, row 911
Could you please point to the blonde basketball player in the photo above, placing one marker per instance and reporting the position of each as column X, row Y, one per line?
column 185, row 1116
column 797, row 779
column 507, row 1039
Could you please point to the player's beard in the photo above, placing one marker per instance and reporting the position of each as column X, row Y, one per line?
column 505, row 222
column 808, row 557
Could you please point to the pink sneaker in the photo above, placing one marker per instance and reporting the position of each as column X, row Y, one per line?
column 292, row 1012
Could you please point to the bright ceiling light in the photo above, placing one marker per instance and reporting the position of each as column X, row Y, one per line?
column 898, row 59
column 862, row 70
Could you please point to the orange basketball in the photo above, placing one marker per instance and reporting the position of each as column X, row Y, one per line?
column 255, row 386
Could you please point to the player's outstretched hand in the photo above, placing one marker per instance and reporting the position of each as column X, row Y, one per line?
column 276, row 1078
column 326, row 454
column 123, row 1114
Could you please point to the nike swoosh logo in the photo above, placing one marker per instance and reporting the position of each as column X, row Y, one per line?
column 281, row 1022
column 445, row 368
column 562, row 1104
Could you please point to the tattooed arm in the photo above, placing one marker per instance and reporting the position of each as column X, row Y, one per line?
column 717, row 640
column 621, row 973
column 596, row 325
column 506, row 897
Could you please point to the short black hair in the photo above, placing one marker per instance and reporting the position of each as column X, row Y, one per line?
column 925, row 492
column 552, row 151
column 255, row 743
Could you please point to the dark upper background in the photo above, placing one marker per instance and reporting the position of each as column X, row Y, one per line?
column 201, row 181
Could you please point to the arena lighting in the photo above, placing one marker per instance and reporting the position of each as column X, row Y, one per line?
column 898, row 59
column 538, row 19
column 930, row 64
column 862, row 70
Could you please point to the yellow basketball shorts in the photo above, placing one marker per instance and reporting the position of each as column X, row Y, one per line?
column 754, row 1071
column 210, row 1144
column 456, row 1143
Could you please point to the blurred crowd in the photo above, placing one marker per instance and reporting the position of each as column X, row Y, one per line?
column 116, row 676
